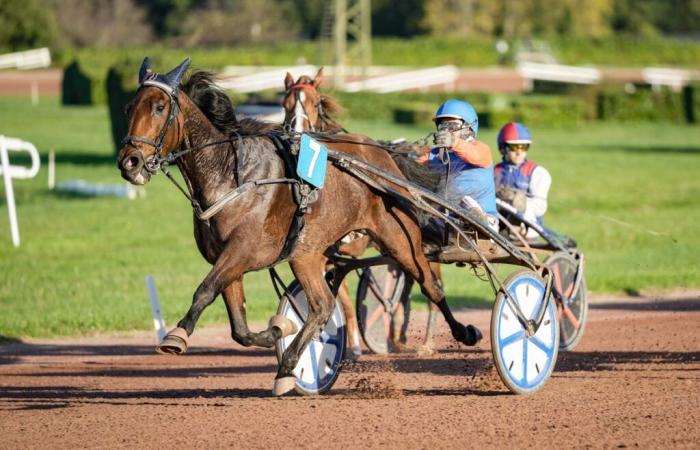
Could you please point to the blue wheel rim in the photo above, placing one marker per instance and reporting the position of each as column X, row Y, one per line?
column 319, row 363
column 526, row 361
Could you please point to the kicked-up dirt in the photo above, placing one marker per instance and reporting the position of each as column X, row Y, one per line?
column 633, row 381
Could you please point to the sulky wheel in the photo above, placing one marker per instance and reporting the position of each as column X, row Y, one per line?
column 319, row 364
column 383, row 307
column 524, row 362
column 571, row 297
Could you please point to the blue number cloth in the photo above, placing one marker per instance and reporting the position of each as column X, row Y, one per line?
column 312, row 161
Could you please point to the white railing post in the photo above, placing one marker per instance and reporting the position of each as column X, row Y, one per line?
column 9, row 172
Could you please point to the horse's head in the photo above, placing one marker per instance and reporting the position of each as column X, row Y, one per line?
column 302, row 102
column 155, row 123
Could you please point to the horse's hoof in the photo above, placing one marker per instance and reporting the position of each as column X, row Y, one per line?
column 286, row 326
column 354, row 354
column 174, row 343
column 472, row 336
column 283, row 385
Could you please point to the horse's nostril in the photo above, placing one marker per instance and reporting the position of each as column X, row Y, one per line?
column 131, row 162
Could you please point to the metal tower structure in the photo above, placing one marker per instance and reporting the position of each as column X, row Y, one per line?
column 348, row 25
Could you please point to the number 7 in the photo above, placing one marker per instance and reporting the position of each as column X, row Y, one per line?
column 316, row 147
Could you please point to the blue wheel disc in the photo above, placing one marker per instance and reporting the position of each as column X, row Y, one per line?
column 524, row 362
column 319, row 364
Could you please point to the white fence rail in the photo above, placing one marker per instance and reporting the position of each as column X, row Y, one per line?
column 674, row 78
column 270, row 79
column 557, row 72
column 9, row 172
column 30, row 59
column 414, row 79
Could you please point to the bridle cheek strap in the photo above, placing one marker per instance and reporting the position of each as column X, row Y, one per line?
column 153, row 163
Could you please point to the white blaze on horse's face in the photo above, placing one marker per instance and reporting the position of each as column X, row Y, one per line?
column 299, row 115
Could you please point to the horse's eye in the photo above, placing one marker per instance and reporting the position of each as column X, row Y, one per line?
column 160, row 108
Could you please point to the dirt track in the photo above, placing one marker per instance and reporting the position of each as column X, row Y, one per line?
column 634, row 381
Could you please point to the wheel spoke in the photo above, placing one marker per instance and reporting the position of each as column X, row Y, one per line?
column 525, row 360
column 376, row 314
column 572, row 318
column 515, row 337
column 539, row 344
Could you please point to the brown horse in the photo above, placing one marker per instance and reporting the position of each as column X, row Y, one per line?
column 307, row 109
column 195, row 127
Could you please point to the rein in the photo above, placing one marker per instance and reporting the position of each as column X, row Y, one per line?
column 158, row 162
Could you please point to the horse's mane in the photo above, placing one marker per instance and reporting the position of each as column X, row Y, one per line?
column 201, row 88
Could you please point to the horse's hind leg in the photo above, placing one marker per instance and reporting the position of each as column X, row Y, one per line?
column 400, row 237
column 353, row 329
column 308, row 271
column 234, row 298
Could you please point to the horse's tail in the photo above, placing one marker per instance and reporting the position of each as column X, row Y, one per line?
column 420, row 174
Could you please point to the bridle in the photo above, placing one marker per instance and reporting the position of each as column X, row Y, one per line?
column 297, row 89
column 154, row 162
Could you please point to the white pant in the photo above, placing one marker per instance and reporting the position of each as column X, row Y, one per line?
column 470, row 203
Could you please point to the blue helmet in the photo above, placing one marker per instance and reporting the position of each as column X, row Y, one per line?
column 458, row 109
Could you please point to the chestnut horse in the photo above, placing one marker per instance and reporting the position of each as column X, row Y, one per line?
column 195, row 128
column 306, row 109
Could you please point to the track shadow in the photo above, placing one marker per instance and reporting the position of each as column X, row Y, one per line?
column 40, row 397
column 159, row 372
column 614, row 361
column 453, row 366
column 654, row 305
column 18, row 349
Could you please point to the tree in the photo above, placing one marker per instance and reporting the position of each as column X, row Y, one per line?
column 26, row 24
column 460, row 18
column 226, row 22
column 102, row 23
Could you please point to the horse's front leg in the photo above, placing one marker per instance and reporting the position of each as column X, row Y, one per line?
column 225, row 270
column 279, row 325
column 308, row 271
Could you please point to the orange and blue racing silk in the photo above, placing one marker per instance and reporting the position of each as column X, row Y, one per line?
column 468, row 171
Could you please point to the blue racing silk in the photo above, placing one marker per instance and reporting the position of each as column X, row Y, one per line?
column 463, row 179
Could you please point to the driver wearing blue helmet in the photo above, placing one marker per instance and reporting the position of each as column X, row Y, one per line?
column 465, row 161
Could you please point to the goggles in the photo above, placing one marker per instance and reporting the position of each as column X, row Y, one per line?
column 517, row 147
column 451, row 125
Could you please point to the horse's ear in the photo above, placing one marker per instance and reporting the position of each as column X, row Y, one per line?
column 318, row 78
column 145, row 69
column 174, row 77
column 288, row 81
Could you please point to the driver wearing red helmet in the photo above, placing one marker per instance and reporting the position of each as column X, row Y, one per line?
column 521, row 182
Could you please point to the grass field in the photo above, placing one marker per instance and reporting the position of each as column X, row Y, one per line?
column 627, row 192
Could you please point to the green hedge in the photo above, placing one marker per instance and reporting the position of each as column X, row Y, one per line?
column 120, row 87
column 643, row 104
column 493, row 110
column 691, row 103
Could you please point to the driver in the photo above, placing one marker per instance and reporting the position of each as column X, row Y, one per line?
column 520, row 182
column 466, row 163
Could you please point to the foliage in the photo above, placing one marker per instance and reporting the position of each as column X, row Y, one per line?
column 120, row 85
column 254, row 21
column 494, row 110
column 643, row 104
column 82, row 262
column 25, row 24
column 101, row 23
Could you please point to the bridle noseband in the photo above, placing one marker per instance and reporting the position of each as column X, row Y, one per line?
column 297, row 88
column 153, row 163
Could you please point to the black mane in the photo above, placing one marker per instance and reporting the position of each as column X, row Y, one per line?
column 201, row 88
